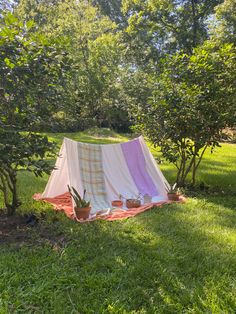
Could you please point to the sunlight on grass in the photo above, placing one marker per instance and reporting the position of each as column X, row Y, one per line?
column 178, row 258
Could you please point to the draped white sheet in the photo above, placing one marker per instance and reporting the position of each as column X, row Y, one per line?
column 117, row 178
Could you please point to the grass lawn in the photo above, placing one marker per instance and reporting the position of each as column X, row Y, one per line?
column 180, row 258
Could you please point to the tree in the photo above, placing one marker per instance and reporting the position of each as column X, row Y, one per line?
column 224, row 30
column 165, row 26
column 31, row 70
column 111, row 8
column 93, row 43
column 193, row 100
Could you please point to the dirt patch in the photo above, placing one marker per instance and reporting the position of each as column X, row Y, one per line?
column 13, row 229
column 29, row 230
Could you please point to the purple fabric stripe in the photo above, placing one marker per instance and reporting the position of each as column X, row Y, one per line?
column 135, row 160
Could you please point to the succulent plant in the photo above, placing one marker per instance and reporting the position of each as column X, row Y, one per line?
column 172, row 189
column 80, row 202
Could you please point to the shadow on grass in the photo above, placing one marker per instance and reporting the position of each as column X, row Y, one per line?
column 219, row 173
column 194, row 256
column 217, row 166
column 168, row 260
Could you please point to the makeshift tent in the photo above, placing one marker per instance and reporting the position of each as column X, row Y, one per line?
column 106, row 172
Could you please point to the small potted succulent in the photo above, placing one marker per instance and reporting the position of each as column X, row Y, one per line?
column 82, row 207
column 173, row 192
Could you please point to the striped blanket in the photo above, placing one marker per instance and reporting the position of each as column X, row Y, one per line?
column 92, row 175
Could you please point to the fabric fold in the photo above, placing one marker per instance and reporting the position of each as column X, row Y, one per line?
column 137, row 167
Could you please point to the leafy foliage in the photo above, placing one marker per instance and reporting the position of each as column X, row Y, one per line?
column 159, row 27
column 111, row 8
column 30, row 86
column 192, row 102
column 224, row 28
column 93, row 43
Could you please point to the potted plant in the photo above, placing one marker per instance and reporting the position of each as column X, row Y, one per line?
column 134, row 202
column 173, row 192
column 82, row 207
column 118, row 202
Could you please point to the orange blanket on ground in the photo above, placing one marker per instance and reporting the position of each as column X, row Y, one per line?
column 64, row 202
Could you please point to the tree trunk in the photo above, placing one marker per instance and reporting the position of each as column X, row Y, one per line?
column 179, row 175
column 188, row 170
column 194, row 171
column 195, row 22
column 4, row 190
column 8, row 187
column 15, row 203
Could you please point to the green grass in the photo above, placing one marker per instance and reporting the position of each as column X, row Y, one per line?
column 179, row 258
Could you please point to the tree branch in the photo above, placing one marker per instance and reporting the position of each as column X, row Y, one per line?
column 200, row 158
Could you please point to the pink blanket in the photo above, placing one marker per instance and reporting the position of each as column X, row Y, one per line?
column 63, row 202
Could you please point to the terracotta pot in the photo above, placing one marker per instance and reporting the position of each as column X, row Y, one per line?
column 173, row 196
column 117, row 203
column 82, row 213
column 133, row 203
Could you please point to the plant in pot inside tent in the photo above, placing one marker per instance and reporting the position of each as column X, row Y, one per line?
column 117, row 202
column 134, row 202
column 82, row 206
column 173, row 192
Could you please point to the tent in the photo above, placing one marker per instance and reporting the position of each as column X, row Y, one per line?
column 107, row 172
